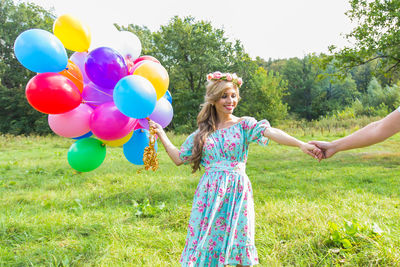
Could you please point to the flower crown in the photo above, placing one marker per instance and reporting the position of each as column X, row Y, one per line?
column 230, row 77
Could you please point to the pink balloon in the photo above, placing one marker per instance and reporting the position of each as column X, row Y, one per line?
column 94, row 95
column 79, row 59
column 108, row 123
column 146, row 58
column 73, row 123
column 163, row 112
column 136, row 65
column 138, row 126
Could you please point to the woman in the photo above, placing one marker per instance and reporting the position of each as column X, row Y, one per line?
column 221, row 226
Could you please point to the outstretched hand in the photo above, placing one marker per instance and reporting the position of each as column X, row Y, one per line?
column 312, row 150
column 328, row 150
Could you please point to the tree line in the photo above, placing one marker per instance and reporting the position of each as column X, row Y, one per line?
column 357, row 80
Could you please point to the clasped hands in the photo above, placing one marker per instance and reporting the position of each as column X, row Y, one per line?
column 320, row 149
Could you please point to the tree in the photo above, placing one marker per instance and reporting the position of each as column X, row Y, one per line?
column 314, row 92
column 16, row 115
column 189, row 50
column 376, row 37
column 262, row 97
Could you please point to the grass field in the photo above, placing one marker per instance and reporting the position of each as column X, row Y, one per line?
column 344, row 211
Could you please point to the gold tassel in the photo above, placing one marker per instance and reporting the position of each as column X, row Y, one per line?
column 150, row 159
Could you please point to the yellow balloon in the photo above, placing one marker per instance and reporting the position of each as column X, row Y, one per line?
column 118, row 142
column 73, row 34
column 156, row 74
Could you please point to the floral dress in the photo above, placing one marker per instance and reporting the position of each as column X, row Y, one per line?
column 221, row 225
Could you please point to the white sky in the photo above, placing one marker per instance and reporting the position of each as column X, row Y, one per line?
column 267, row 28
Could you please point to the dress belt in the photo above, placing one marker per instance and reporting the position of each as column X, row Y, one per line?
column 230, row 166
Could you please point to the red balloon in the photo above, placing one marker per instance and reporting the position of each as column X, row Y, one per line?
column 145, row 58
column 52, row 93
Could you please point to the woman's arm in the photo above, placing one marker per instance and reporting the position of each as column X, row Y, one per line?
column 171, row 150
column 373, row 133
column 283, row 138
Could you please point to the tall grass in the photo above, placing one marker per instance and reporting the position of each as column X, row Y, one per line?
column 51, row 215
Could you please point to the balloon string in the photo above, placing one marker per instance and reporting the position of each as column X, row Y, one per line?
column 150, row 155
column 102, row 92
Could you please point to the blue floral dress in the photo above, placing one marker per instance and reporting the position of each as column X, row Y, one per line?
column 221, row 225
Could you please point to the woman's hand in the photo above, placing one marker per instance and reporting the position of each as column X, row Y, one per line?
column 328, row 148
column 312, row 150
column 157, row 127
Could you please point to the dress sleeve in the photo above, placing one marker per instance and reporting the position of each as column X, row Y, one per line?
column 186, row 148
column 255, row 131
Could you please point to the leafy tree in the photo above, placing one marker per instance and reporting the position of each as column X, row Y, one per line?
column 314, row 92
column 16, row 115
column 262, row 97
column 190, row 49
column 377, row 95
column 376, row 37
column 302, row 87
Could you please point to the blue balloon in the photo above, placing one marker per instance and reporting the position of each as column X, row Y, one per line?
column 88, row 134
column 134, row 148
column 135, row 96
column 168, row 96
column 40, row 51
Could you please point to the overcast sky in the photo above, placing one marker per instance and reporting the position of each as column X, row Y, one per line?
column 267, row 28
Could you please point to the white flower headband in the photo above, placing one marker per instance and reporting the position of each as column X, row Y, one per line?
column 230, row 77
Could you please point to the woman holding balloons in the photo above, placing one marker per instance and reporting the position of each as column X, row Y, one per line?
column 221, row 225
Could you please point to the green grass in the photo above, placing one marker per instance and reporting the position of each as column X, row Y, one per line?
column 51, row 215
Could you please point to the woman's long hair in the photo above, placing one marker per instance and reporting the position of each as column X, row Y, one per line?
column 207, row 118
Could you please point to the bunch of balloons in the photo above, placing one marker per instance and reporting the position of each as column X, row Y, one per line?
column 102, row 97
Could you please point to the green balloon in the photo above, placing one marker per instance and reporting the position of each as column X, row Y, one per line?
column 86, row 154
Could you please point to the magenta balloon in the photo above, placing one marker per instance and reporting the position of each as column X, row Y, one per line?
column 73, row 123
column 163, row 112
column 79, row 59
column 95, row 95
column 105, row 67
column 108, row 123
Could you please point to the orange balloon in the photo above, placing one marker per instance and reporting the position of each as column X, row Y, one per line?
column 73, row 73
column 156, row 74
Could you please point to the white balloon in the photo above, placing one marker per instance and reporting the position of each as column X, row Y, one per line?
column 128, row 45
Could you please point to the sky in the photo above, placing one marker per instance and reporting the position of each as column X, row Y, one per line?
column 266, row 28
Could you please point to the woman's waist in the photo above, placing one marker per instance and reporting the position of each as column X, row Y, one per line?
column 226, row 165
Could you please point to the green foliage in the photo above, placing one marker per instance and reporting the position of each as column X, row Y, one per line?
column 145, row 209
column 268, row 89
column 16, row 115
column 353, row 234
column 313, row 92
column 376, row 37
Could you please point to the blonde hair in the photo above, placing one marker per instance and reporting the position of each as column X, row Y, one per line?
column 207, row 118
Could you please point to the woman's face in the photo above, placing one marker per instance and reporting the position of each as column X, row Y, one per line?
column 228, row 102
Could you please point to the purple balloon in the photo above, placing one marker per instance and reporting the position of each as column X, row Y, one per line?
column 79, row 59
column 94, row 95
column 108, row 123
column 163, row 112
column 144, row 123
column 105, row 67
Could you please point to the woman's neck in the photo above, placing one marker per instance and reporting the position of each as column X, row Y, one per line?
column 225, row 118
